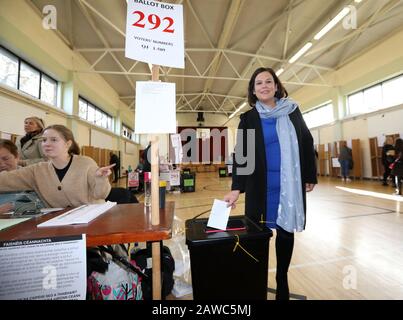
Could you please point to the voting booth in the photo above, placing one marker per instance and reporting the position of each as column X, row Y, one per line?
column 230, row 264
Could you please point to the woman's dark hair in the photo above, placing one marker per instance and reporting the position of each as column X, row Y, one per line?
column 280, row 93
column 67, row 135
column 10, row 146
column 399, row 145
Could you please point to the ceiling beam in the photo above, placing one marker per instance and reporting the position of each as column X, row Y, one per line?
column 229, row 25
column 287, row 29
column 349, row 44
column 122, row 33
column 255, row 56
column 189, row 76
column 267, row 24
column 192, row 10
column 389, row 6
column 84, row 10
column 226, row 51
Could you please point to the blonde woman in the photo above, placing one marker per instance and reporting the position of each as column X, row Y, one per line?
column 29, row 146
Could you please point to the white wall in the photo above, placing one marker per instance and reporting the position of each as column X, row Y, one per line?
column 386, row 123
column 16, row 106
column 102, row 140
column 131, row 158
column 381, row 62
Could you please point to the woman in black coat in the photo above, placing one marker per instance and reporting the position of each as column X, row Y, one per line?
column 274, row 165
column 397, row 170
column 388, row 157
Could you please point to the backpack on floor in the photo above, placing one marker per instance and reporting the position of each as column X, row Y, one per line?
column 142, row 258
column 111, row 276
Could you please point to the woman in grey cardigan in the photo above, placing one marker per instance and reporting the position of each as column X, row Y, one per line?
column 29, row 146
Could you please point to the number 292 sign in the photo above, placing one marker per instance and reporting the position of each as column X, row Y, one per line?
column 154, row 33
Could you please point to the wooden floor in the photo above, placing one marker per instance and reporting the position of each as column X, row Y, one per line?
column 352, row 247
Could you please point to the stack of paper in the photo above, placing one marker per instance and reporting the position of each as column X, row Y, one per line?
column 80, row 215
column 6, row 223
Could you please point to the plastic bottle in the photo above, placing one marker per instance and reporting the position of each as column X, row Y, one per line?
column 147, row 189
column 163, row 187
column 129, row 169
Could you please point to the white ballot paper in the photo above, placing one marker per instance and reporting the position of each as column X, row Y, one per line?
column 219, row 215
column 80, row 215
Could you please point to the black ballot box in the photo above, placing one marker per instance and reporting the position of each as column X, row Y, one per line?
column 222, row 172
column 220, row 272
column 188, row 182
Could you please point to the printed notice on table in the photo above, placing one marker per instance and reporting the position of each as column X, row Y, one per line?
column 155, row 107
column 43, row 269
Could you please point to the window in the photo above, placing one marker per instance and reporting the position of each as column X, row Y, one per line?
column 48, row 90
column 128, row 133
column 373, row 98
column 319, row 116
column 82, row 109
column 356, row 103
column 8, row 69
column 383, row 95
column 93, row 114
column 20, row 75
column 392, row 92
column 29, row 80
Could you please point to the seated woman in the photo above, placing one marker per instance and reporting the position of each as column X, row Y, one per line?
column 67, row 179
column 8, row 162
column 8, row 155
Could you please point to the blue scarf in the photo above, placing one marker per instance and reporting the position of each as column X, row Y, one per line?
column 291, row 215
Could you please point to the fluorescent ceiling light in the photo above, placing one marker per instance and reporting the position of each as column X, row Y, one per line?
column 304, row 49
column 279, row 71
column 332, row 23
column 237, row 110
column 357, row 1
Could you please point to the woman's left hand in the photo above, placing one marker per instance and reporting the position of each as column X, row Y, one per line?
column 104, row 171
column 309, row 187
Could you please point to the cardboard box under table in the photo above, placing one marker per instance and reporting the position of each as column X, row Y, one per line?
column 219, row 271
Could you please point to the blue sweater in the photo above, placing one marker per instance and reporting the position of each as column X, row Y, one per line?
column 273, row 164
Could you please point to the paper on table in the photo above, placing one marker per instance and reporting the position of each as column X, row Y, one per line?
column 5, row 223
column 80, row 215
column 219, row 215
column 48, row 210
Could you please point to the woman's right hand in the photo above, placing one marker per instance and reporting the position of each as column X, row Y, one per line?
column 7, row 207
column 231, row 198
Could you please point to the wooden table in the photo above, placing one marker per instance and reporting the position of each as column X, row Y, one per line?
column 123, row 223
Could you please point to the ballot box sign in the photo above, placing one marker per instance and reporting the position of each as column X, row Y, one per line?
column 154, row 33
column 43, row 269
column 155, row 107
